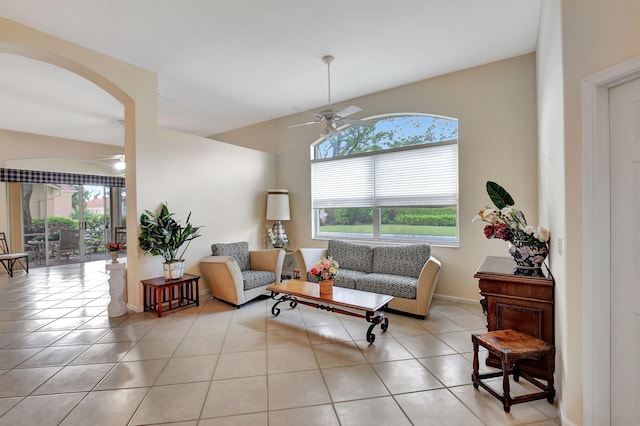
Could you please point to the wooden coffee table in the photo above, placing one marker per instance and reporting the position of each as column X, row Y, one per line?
column 341, row 300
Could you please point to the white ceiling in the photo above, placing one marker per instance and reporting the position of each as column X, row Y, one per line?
column 225, row 64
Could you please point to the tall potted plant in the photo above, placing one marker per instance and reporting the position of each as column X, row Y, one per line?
column 163, row 235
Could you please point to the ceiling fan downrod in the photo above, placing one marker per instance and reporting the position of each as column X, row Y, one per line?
column 328, row 59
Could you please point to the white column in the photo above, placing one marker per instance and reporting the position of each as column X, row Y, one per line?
column 117, row 283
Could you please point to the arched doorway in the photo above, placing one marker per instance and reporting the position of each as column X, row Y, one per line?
column 134, row 88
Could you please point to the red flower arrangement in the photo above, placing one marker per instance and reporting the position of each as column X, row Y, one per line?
column 116, row 246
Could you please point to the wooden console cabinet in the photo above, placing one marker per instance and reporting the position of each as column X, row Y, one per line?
column 517, row 299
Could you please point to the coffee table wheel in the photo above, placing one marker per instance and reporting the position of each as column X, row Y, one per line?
column 385, row 324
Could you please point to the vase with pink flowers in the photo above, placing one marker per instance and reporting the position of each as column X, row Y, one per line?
column 326, row 269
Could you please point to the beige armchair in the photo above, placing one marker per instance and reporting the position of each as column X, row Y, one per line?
column 237, row 275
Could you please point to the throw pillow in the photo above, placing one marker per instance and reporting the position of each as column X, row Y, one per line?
column 239, row 251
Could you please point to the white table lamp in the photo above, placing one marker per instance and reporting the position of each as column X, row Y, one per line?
column 278, row 209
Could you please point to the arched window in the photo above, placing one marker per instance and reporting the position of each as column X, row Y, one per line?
column 395, row 181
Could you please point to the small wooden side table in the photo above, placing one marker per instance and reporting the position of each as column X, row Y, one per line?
column 161, row 294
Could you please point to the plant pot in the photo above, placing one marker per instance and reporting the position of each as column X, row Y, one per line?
column 114, row 256
column 326, row 286
column 173, row 270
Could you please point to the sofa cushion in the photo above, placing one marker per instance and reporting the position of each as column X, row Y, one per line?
column 239, row 251
column 347, row 278
column 255, row 279
column 406, row 260
column 393, row 285
column 357, row 257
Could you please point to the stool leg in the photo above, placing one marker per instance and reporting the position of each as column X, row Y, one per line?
column 476, row 364
column 551, row 361
column 506, row 396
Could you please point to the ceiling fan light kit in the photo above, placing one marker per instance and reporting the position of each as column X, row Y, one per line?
column 120, row 164
column 332, row 119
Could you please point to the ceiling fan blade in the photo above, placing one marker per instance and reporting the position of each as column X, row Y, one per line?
column 317, row 115
column 112, row 157
column 358, row 122
column 345, row 112
column 304, row 124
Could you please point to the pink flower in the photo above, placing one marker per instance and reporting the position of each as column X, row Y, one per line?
column 325, row 268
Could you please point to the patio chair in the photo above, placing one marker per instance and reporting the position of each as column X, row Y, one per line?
column 9, row 260
column 92, row 243
column 68, row 245
column 121, row 235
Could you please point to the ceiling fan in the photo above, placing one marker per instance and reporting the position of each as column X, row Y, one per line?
column 332, row 119
column 120, row 163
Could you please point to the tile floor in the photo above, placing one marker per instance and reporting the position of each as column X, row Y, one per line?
column 63, row 361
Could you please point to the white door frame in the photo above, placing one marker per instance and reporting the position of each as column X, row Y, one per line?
column 596, row 394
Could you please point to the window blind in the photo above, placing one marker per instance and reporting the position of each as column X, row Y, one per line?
column 346, row 182
column 418, row 177
column 414, row 177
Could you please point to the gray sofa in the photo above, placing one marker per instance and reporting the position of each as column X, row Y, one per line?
column 407, row 272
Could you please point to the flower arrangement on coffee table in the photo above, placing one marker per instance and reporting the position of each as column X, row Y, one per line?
column 326, row 269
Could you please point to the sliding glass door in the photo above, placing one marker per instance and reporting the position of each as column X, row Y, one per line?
column 93, row 218
column 66, row 223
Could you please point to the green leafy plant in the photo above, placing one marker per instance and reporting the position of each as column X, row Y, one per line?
column 500, row 197
column 163, row 235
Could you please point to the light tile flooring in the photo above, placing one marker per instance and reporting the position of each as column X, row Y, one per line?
column 63, row 361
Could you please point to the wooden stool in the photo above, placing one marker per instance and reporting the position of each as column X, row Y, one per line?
column 511, row 346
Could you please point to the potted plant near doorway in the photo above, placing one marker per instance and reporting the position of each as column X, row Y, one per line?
column 163, row 235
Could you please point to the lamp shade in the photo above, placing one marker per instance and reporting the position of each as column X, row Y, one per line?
column 278, row 204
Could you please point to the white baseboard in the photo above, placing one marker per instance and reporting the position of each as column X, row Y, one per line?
column 455, row 299
column 136, row 309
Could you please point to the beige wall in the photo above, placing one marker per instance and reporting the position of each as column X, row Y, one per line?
column 496, row 108
column 595, row 35
column 224, row 186
column 552, row 189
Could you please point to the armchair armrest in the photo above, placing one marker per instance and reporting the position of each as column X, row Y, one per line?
column 427, row 284
column 307, row 257
column 267, row 260
column 224, row 278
